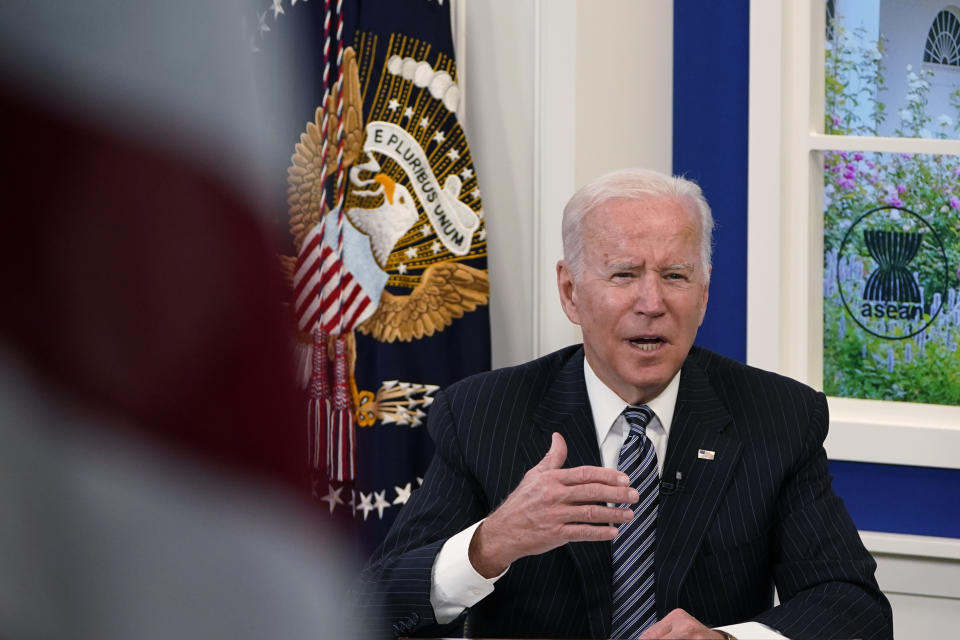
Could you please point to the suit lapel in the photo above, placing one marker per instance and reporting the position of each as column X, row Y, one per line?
column 565, row 408
column 700, row 421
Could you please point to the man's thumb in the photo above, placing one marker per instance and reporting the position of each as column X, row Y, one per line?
column 557, row 454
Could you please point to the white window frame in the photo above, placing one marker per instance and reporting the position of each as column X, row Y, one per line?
column 785, row 238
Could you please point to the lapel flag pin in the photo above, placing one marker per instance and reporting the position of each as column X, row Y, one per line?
column 703, row 454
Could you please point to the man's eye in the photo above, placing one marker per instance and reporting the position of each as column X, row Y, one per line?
column 675, row 276
column 622, row 274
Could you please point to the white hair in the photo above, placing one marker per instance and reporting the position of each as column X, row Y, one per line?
column 633, row 184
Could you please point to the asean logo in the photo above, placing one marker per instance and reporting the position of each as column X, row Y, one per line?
column 904, row 273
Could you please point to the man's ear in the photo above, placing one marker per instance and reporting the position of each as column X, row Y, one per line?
column 703, row 301
column 568, row 298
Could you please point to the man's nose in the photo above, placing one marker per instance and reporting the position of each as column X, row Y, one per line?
column 649, row 299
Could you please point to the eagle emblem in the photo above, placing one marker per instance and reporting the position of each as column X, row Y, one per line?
column 416, row 232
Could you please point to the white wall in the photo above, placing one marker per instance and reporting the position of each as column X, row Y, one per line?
column 558, row 91
column 500, row 127
column 624, row 86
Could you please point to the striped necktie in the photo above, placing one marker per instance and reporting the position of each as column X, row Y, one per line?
column 634, row 586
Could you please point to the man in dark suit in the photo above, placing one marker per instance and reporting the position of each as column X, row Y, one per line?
column 636, row 484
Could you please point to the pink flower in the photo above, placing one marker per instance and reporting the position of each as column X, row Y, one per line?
column 901, row 189
column 955, row 202
column 870, row 164
column 895, row 202
column 858, row 156
column 846, row 182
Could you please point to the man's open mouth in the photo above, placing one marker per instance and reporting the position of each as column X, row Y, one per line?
column 647, row 343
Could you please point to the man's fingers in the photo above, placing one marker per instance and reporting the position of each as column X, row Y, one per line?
column 588, row 474
column 587, row 533
column 557, row 454
column 595, row 492
column 679, row 624
column 598, row 514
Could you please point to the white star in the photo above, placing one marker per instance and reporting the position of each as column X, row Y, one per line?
column 453, row 154
column 482, row 234
column 262, row 25
column 408, row 112
column 401, row 268
column 419, row 481
column 277, row 8
column 438, row 137
column 393, row 105
column 436, row 247
column 424, row 122
column 411, row 253
column 333, row 497
column 293, row 3
column 380, row 503
column 466, row 174
column 425, row 230
column 476, row 194
column 365, row 505
column 403, row 494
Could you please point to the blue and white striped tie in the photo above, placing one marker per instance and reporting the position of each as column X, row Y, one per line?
column 634, row 584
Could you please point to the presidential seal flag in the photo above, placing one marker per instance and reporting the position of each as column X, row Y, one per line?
column 387, row 260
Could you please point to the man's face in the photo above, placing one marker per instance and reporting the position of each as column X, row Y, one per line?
column 640, row 295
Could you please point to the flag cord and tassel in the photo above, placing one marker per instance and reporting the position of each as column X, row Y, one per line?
column 342, row 440
column 319, row 402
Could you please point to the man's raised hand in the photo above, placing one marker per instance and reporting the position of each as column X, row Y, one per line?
column 550, row 507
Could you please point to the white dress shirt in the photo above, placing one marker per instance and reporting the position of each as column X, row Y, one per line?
column 457, row 585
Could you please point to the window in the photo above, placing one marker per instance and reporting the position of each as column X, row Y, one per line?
column 943, row 41
column 857, row 136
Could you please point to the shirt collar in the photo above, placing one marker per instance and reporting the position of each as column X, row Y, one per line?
column 606, row 405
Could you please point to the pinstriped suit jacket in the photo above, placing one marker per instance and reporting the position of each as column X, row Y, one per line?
column 761, row 513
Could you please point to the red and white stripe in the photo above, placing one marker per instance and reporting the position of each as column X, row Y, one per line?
column 325, row 293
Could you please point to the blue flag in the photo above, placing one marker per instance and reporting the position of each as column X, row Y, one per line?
column 386, row 237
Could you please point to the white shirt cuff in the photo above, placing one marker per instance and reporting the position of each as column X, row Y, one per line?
column 752, row 631
column 456, row 585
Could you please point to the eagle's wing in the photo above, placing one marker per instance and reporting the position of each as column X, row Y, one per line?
column 445, row 292
column 288, row 266
column 307, row 171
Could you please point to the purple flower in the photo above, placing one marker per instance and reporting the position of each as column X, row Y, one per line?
column 843, row 154
column 858, row 156
column 870, row 164
column 895, row 202
column 955, row 202
column 958, row 271
column 901, row 189
column 846, row 182
column 836, row 121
